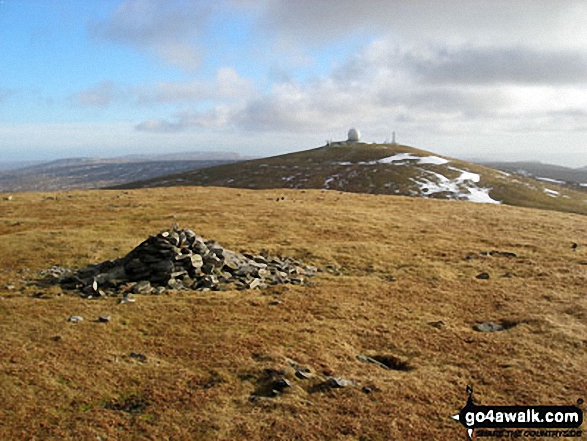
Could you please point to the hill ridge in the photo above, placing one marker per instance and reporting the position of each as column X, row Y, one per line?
column 381, row 169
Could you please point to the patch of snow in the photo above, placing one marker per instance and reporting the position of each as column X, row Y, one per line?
column 435, row 160
column 395, row 158
column 466, row 176
column 554, row 181
column 328, row 181
column 481, row 196
column 551, row 193
column 583, row 185
column 463, row 187
column 503, row 173
column 401, row 157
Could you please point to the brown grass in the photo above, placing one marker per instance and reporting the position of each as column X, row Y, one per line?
column 206, row 352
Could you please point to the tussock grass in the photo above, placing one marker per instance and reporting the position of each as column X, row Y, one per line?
column 397, row 265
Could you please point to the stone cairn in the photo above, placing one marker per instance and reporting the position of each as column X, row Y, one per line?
column 180, row 259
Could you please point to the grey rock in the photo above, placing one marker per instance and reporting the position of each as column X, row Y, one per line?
column 488, row 327
column 213, row 259
column 104, row 318
column 338, row 383
column 196, row 261
column 163, row 266
column 138, row 356
column 482, row 276
column 142, row 287
column 254, row 284
column 281, row 384
column 75, row 319
column 503, row 253
column 175, row 284
column 207, row 268
column 366, row 359
column 303, row 374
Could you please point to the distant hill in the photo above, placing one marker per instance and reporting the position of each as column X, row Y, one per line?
column 91, row 173
column 381, row 169
column 545, row 172
column 185, row 156
column 13, row 165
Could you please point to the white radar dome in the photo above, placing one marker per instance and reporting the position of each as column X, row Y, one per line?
column 354, row 135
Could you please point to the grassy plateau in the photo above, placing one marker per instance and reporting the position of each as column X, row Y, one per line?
column 399, row 280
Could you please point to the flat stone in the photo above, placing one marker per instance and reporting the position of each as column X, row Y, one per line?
column 488, row 327
column 254, row 284
column 75, row 319
column 138, row 356
column 281, row 384
column 213, row 259
column 503, row 253
column 196, row 261
column 303, row 374
column 104, row 318
column 338, row 383
column 482, row 276
column 366, row 359
column 142, row 287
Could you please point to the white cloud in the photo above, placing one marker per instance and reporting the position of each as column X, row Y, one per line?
column 169, row 30
column 227, row 85
column 452, row 70
column 101, row 95
column 385, row 87
column 501, row 22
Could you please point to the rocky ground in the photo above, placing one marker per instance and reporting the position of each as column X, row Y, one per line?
column 180, row 259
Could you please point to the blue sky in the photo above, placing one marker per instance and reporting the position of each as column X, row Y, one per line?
column 486, row 79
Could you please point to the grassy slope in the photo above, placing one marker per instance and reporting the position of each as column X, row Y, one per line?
column 206, row 351
column 315, row 168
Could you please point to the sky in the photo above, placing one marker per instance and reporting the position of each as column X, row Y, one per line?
column 479, row 79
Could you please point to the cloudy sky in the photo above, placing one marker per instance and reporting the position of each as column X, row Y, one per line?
column 485, row 79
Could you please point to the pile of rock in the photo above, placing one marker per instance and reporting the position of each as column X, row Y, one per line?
column 180, row 259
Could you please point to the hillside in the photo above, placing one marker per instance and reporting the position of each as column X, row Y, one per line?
column 382, row 169
column 91, row 173
column 399, row 282
column 574, row 177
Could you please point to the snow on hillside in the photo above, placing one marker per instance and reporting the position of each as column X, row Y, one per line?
column 462, row 187
column 554, row 181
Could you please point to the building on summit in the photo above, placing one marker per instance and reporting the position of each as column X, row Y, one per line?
column 354, row 137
